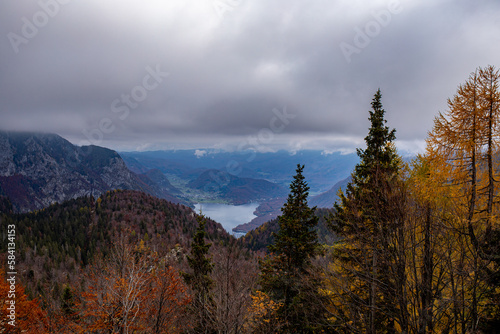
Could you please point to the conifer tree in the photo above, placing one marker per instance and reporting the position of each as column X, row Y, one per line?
column 287, row 273
column 67, row 302
column 378, row 165
column 366, row 221
column 199, row 280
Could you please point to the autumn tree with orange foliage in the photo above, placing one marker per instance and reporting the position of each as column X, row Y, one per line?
column 168, row 300
column 29, row 317
column 462, row 153
column 132, row 290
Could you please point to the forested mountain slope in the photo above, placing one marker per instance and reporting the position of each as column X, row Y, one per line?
column 55, row 243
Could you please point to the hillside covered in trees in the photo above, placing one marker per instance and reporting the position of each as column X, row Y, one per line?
column 409, row 248
column 66, row 249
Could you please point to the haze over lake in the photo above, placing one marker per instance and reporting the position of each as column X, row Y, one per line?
column 229, row 216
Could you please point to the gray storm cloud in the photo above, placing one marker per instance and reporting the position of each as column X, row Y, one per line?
column 64, row 64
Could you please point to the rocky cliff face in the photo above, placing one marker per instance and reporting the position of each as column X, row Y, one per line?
column 37, row 170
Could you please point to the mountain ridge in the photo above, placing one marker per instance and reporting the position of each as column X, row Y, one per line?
column 322, row 171
column 38, row 169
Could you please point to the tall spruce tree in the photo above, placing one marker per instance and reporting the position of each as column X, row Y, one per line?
column 365, row 220
column 287, row 273
column 199, row 281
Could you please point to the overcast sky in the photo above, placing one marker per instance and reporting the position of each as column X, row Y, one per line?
column 294, row 74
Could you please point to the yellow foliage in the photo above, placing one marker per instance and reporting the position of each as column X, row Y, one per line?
column 263, row 312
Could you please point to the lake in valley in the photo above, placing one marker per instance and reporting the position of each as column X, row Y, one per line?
column 229, row 216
